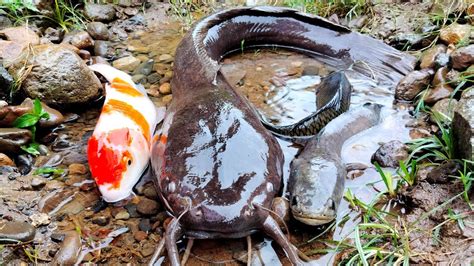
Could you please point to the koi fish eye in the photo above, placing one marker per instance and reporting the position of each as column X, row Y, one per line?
column 129, row 162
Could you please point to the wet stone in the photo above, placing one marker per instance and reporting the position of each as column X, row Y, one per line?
column 440, row 76
column 99, row 12
column 147, row 206
column 59, row 67
column 100, row 220
column 390, row 154
column 11, row 139
column 98, row 30
column 84, row 54
column 147, row 250
column 167, row 99
column 165, row 58
column 6, row 81
column 54, row 35
column 443, row 172
column 412, row 84
column 57, row 237
column 445, row 107
column 24, row 163
column 144, row 225
column 153, row 90
column 441, row 60
column 77, row 169
column 165, row 88
column 463, row 57
column 140, row 235
column 5, row 160
column 145, row 68
column 150, row 192
column 428, row 58
column 463, row 126
column 132, row 210
column 4, row 22
column 12, row 232
column 69, row 250
column 101, row 48
column 454, row 33
column 153, row 78
column 79, row 39
column 441, row 91
column 139, row 78
column 37, row 182
column 128, row 63
column 122, row 215
column 39, row 219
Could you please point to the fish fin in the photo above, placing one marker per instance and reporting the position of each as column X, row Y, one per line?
column 110, row 72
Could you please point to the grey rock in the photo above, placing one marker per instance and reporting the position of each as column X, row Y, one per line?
column 12, row 232
column 37, row 182
column 390, row 154
column 11, row 139
column 54, row 35
column 69, row 250
column 428, row 58
column 101, row 48
column 98, row 12
column 4, row 22
column 6, row 83
column 412, row 84
column 145, row 68
column 463, row 57
column 441, row 60
column 463, row 126
column 59, row 77
column 98, row 30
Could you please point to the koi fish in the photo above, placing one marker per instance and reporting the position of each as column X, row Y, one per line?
column 119, row 148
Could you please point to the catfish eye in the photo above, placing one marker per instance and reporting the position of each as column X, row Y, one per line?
column 129, row 162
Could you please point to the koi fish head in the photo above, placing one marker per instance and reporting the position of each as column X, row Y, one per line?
column 117, row 159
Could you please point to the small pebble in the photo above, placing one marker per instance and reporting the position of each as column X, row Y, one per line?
column 37, row 182
column 100, row 220
column 147, row 206
column 122, row 215
column 77, row 169
column 39, row 219
column 144, row 225
column 140, row 235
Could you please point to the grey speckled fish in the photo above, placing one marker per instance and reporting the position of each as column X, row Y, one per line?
column 317, row 175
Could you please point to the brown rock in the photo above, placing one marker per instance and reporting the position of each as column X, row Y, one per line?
column 79, row 39
column 444, row 107
column 454, row 33
column 10, row 51
column 441, row 173
column 22, row 35
column 463, row 57
column 429, row 56
column 55, row 117
column 147, row 206
column 11, row 139
column 140, row 235
column 412, row 84
column 128, row 63
column 165, row 88
column 153, row 90
column 440, row 76
column 5, row 160
column 77, row 169
column 418, row 133
column 439, row 92
column 84, row 54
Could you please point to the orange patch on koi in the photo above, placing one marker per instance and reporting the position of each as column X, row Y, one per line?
column 132, row 113
column 125, row 88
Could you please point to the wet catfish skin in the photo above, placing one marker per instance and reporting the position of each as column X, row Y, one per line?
column 214, row 161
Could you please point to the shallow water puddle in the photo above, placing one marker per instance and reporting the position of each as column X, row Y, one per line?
column 281, row 85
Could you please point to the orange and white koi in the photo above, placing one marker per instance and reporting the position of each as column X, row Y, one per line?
column 119, row 148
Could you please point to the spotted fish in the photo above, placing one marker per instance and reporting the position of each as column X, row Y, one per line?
column 119, row 148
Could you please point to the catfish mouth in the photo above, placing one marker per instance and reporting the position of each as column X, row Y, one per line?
column 313, row 219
